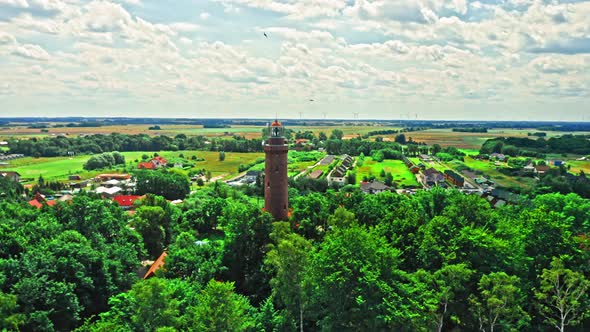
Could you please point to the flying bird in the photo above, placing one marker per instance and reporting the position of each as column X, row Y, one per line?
column 311, row 100
column 265, row 34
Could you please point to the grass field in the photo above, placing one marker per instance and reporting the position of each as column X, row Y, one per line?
column 578, row 166
column 59, row 168
column 401, row 174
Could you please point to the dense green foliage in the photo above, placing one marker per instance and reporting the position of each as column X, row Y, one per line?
column 561, row 181
column 436, row 260
column 62, row 264
column 168, row 184
column 105, row 160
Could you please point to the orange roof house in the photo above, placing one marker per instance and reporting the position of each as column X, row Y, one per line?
column 146, row 165
column 39, row 201
column 126, row 200
column 158, row 264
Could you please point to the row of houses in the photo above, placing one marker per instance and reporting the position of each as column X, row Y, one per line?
column 339, row 173
column 7, row 157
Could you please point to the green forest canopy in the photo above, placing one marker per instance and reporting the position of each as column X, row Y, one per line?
column 345, row 261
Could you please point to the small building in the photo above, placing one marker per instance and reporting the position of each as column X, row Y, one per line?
column 14, row 176
column 126, row 201
column 158, row 264
column 541, row 169
column 146, row 165
column 558, row 163
column 425, row 158
column 498, row 156
column 156, row 162
column 414, row 169
column 529, row 168
column 74, row 178
column 251, row 176
column 339, row 172
column 347, row 161
column 79, row 185
column 432, row 177
column 112, row 176
column 108, row 192
column 374, row 187
column 66, row 198
column 39, row 201
column 454, row 178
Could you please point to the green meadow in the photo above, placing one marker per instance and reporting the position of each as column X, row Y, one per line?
column 401, row 174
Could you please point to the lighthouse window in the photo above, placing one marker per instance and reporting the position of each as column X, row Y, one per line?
column 268, row 184
column 277, row 169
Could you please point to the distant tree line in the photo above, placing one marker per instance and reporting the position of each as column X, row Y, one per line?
column 517, row 146
column 538, row 134
column 63, row 146
column 471, row 130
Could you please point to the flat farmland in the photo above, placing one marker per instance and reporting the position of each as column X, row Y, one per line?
column 471, row 141
column 579, row 165
column 401, row 174
column 167, row 130
column 446, row 137
column 51, row 169
column 59, row 168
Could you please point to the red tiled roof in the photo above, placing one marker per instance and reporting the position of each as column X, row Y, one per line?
column 35, row 203
column 158, row 264
column 276, row 123
column 301, row 141
column 146, row 165
column 126, row 200
column 160, row 159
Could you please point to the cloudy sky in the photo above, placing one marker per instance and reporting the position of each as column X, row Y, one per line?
column 425, row 59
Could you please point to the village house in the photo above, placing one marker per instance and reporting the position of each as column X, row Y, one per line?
column 108, row 192
column 251, row 176
column 14, row 176
column 425, row 158
column 498, row 156
column 558, row 163
column 454, row 178
column 113, row 176
column 432, row 177
column 414, row 169
column 39, row 201
column 529, row 168
column 158, row 264
column 541, row 169
column 126, row 201
column 155, row 163
column 374, row 187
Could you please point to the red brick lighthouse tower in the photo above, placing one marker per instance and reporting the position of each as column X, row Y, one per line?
column 276, row 195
